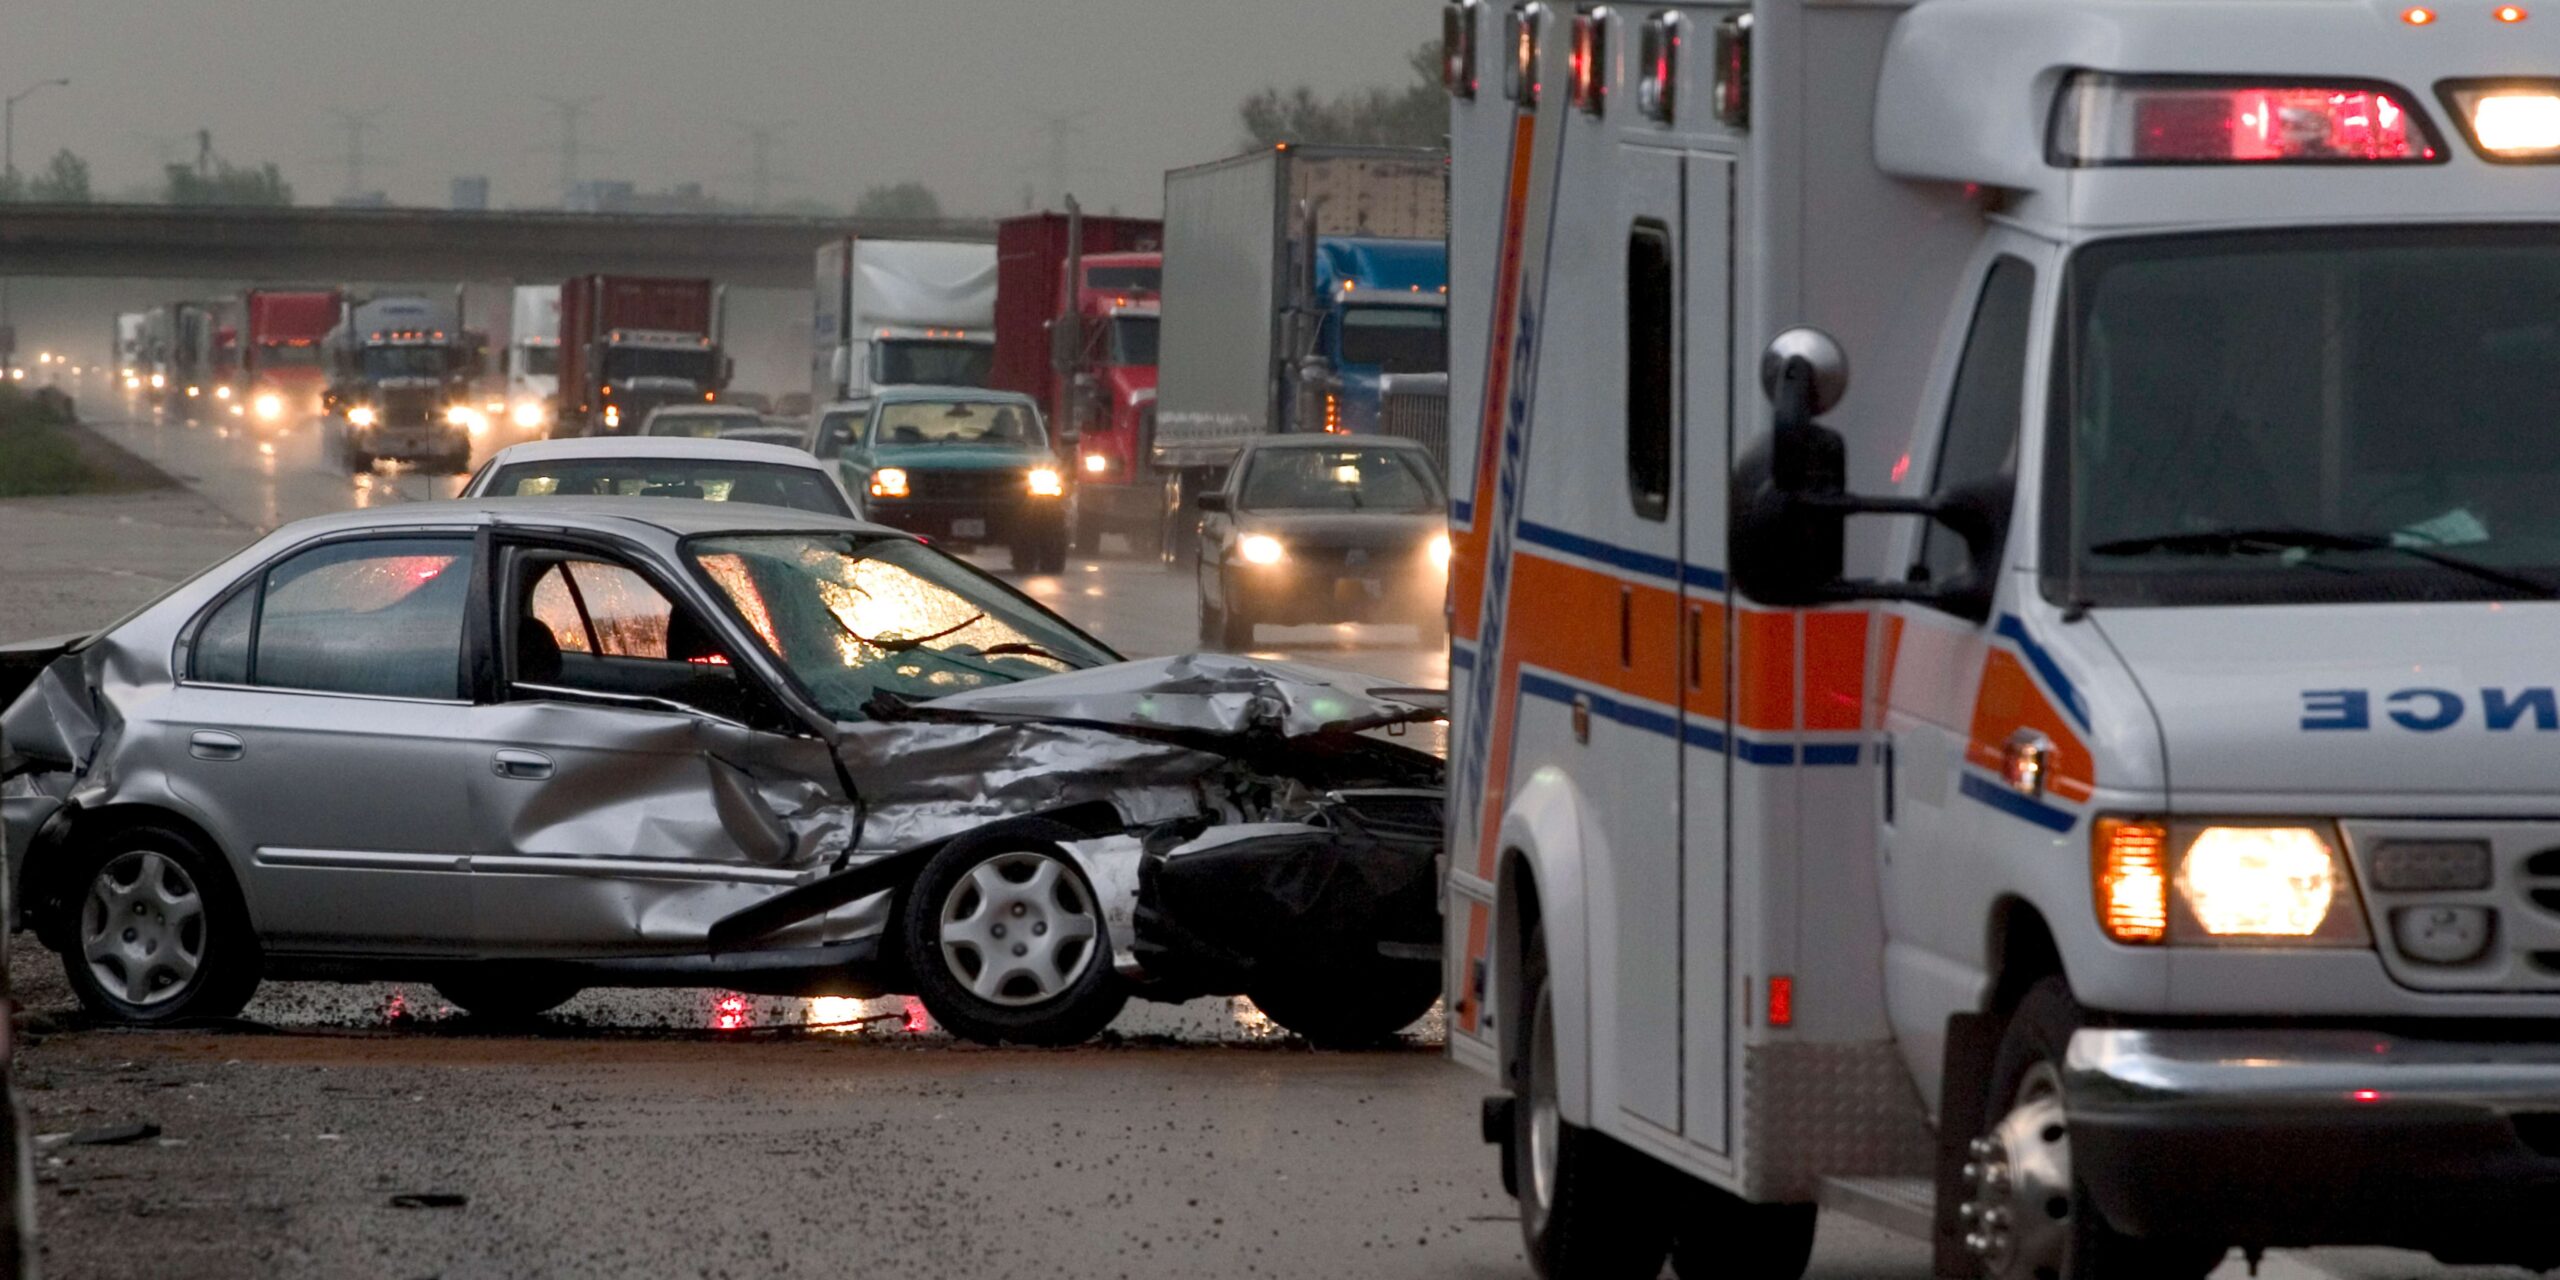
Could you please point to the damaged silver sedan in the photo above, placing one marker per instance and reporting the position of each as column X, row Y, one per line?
column 520, row 748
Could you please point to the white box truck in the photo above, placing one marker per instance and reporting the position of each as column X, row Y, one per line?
column 533, row 358
column 901, row 313
column 1298, row 280
column 2084, row 788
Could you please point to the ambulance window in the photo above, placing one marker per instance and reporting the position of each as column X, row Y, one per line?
column 1981, row 439
column 1650, row 323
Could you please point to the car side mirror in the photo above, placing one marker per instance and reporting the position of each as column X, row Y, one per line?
column 1791, row 504
column 1216, row 503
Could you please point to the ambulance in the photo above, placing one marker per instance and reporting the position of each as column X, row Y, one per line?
column 2004, row 622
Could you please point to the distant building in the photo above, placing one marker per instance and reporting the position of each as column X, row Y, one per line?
column 623, row 197
column 471, row 194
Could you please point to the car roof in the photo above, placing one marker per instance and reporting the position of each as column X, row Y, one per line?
column 701, row 410
column 653, row 448
column 638, row 518
column 894, row 395
column 1327, row 440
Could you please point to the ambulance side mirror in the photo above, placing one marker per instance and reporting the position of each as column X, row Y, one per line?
column 1791, row 504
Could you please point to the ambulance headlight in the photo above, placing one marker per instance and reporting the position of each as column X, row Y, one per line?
column 2509, row 120
column 2226, row 883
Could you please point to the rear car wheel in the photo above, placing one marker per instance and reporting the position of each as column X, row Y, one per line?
column 1007, row 942
column 1589, row 1207
column 2025, row 1214
column 505, row 995
column 157, row 932
column 1355, row 1008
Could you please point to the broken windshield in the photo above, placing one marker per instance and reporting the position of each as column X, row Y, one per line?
column 853, row 616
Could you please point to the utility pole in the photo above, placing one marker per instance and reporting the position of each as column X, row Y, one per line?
column 761, row 140
column 571, row 111
column 9, row 127
column 357, row 124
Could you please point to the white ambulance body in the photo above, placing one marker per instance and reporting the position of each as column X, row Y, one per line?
column 2159, row 847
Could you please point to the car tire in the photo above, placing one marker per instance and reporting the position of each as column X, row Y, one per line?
column 2049, row 1227
column 358, row 461
column 1358, row 1008
column 1053, row 549
column 962, row 933
column 506, row 994
column 1213, row 621
column 1084, row 527
column 1724, row 1237
column 157, row 931
column 1590, row 1207
column 1235, row 623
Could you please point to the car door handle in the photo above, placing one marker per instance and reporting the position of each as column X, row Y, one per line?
column 522, row 766
column 211, row 744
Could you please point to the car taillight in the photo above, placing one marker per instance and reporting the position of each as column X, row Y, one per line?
column 2185, row 120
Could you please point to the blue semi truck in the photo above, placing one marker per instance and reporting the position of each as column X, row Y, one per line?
column 1305, row 289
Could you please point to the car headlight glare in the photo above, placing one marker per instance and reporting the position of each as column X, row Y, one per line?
column 2226, row 883
column 1440, row 551
column 889, row 482
column 2259, row 882
column 1047, row 483
column 361, row 416
column 528, row 414
column 270, row 406
column 1261, row 548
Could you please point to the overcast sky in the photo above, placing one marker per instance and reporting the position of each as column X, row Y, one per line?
column 954, row 93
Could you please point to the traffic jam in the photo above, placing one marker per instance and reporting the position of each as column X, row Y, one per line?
column 1836, row 640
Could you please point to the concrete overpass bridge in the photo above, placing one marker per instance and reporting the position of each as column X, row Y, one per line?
column 322, row 244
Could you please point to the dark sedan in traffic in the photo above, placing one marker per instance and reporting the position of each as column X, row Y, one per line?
column 1323, row 528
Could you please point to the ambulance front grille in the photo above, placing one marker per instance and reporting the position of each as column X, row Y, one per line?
column 2462, row 907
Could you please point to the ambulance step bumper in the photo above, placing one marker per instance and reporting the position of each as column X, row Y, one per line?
column 1900, row 1205
column 2280, row 1137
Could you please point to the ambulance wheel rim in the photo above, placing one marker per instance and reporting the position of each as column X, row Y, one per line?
column 2017, row 1211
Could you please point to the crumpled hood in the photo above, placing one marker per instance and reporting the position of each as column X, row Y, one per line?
column 2369, row 700
column 1201, row 693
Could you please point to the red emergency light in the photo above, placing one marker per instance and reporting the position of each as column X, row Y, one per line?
column 1527, row 28
column 1658, row 90
column 2104, row 120
column 1590, row 60
column 1458, row 47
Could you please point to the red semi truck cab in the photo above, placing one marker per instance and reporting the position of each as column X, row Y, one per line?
column 629, row 344
column 282, row 365
column 1085, row 348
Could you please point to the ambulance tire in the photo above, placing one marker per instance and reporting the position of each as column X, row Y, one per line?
column 2030, row 1056
column 1723, row 1237
column 1591, row 1208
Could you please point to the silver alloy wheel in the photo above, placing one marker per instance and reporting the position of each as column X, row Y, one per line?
column 2017, row 1210
column 142, row 928
column 1020, row 929
column 1546, row 1114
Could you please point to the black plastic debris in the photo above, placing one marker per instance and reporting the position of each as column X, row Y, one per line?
column 116, row 1135
column 429, row 1200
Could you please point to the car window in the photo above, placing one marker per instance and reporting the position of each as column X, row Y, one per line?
column 956, row 422
column 835, row 431
column 605, row 609
column 588, row 625
column 1359, row 479
column 708, row 480
column 381, row 618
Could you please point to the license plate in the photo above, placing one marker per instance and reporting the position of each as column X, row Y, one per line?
column 968, row 528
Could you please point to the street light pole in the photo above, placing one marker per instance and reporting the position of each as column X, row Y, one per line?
column 9, row 177
column 9, row 125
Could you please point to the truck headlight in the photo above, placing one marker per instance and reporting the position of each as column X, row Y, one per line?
column 1097, row 463
column 889, row 482
column 222, row 392
column 2228, row 883
column 528, row 414
column 270, row 406
column 1046, row 483
column 361, row 416
column 1261, row 548
column 467, row 418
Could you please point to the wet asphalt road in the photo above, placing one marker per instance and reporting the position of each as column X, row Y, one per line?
column 691, row 1133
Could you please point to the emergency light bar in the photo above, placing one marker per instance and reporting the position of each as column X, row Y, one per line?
column 1591, row 60
column 1458, row 47
column 2510, row 121
column 2102, row 119
column 1526, row 25
column 1657, row 92
column 1733, row 70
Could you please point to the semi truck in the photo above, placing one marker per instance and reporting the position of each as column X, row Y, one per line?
column 533, row 357
column 1076, row 329
column 1296, row 279
column 128, row 345
column 2080, row 788
column 401, row 371
column 629, row 344
column 282, row 368
column 178, row 354
column 894, row 313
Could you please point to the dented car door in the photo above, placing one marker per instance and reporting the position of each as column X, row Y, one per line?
column 625, row 801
